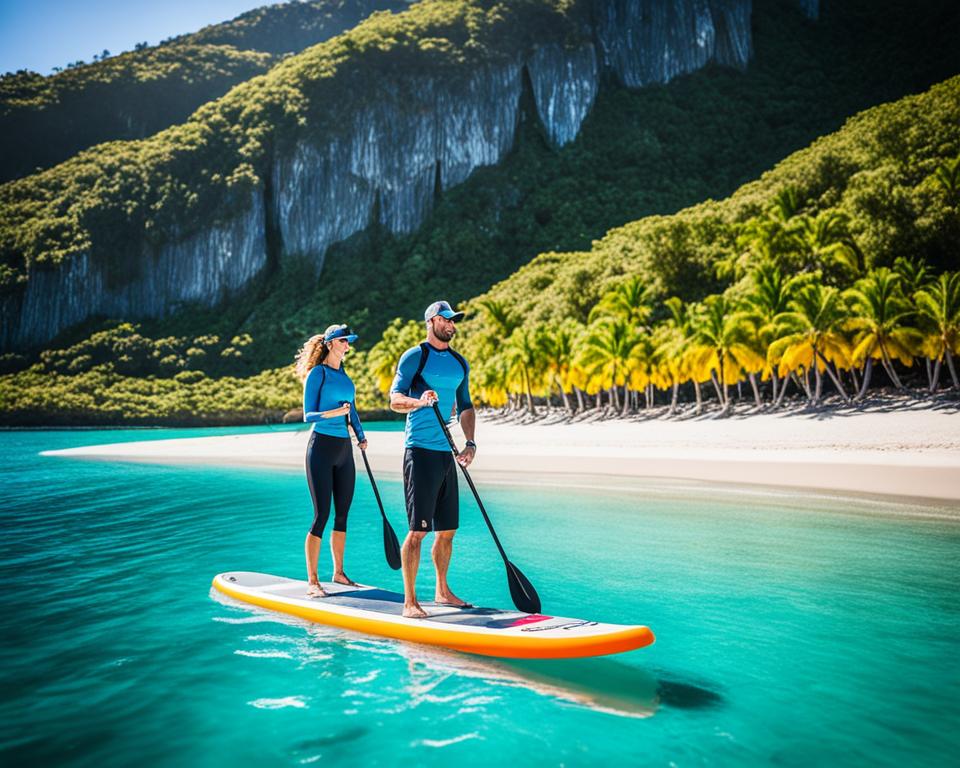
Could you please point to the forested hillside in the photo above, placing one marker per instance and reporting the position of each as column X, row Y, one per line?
column 836, row 270
column 882, row 188
column 47, row 119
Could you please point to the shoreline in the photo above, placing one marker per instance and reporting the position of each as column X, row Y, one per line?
column 910, row 454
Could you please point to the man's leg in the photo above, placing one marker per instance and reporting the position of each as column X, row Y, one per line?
column 409, row 563
column 441, row 552
column 446, row 522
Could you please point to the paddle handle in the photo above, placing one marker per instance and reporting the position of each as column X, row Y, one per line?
column 476, row 495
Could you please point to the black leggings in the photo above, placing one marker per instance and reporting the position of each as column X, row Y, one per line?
column 330, row 473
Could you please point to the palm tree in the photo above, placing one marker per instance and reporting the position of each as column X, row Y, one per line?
column 686, row 352
column 825, row 241
column 721, row 337
column 915, row 275
column 879, row 323
column 523, row 355
column 501, row 321
column 669, row 341
column 812, row 335
column 642, row 365
column 630, row 300
column 606, row 354
column 947, row 176
column 768, row 296
column 557, row 347
column 939, row 308
column 382, row 359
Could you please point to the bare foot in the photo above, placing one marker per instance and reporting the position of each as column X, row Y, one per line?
column 315, row 590
column 342, row 578
column 450, row 599
column 413, row 611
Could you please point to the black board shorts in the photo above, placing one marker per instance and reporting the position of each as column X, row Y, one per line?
column 430, row 489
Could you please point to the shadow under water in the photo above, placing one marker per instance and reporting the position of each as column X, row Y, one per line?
column 602, row 684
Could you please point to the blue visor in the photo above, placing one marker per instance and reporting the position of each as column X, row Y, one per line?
column 343, row 332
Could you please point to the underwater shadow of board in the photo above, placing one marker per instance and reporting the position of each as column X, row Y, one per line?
column 603, row 684
column 609, row 684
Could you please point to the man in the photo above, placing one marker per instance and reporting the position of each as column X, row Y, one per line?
column 427, row 374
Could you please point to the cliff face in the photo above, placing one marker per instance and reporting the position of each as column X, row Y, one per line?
column 55, row 299
column 412, row 138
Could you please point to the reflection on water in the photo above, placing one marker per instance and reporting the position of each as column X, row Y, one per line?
column 599, row 684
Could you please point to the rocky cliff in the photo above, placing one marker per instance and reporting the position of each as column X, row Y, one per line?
column 410, row 139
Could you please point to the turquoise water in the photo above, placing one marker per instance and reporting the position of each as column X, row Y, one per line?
column 790, row 630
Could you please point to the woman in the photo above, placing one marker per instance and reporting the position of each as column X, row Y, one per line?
column 328, row 397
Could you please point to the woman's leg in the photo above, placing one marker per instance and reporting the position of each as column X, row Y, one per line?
column 320, row 483
column 344, row 481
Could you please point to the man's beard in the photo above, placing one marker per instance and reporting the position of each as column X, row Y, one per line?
column 445, row 334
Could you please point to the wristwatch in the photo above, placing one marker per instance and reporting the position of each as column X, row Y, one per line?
column 471, row 444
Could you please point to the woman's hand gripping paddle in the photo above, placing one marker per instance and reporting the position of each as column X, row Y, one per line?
column 524, row 596
column 391, row 547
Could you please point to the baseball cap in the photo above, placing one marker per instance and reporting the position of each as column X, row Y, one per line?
column 443, row 309
column 340, row 332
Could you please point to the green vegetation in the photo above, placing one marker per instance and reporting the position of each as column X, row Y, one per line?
column 653, row 151
column 289, row 27
column 45, row 120
column 739, row 275
column 115, row 198
column 830, row 268
column 825, row 265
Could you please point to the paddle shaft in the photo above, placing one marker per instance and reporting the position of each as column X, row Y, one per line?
column 391, row 545
column 476, row 495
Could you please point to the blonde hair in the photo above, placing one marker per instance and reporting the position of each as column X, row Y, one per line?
column 312, row 353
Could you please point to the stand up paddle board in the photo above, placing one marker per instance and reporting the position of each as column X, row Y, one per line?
column 485, row 631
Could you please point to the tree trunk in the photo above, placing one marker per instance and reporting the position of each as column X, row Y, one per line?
column 673, row 397
column 953, row 371
column 565, row 397
column 817, row 378
column 599, row 399
column 756, row 390
column 888, row 367
column 801, row 382
column 935, row 376
column 526, row 380
column 774, row 383
column 696, row 388
column 926, row 360
column 806, row 382
column 867, row 370
column 581, row 403
column 626, row 401
column 835, row 379
column 783, row 391
column 716, row 387
column 853, row 377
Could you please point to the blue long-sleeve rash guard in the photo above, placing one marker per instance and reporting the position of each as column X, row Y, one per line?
column 324, row 390
column 444, row 375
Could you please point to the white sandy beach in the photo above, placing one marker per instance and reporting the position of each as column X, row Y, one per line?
column 907, row 452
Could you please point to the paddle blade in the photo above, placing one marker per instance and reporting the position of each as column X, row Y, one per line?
column 524, row 596
column 391, row 547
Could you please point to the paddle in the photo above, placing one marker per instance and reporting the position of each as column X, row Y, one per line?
column 391, row 547
column 524, row 596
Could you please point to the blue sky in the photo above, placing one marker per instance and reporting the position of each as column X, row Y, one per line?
column 42, row 34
